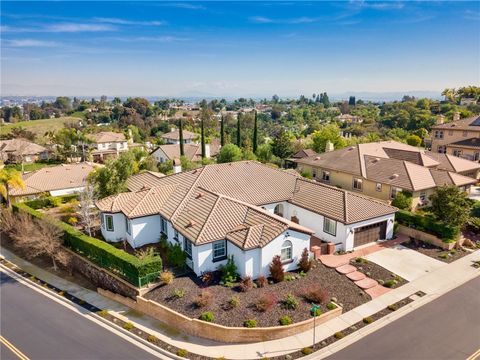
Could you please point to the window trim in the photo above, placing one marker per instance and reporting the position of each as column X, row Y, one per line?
column 221, row 257
column 357, row 180
column 325, row 226
column 175, row 235
column 187, row 244
column 392, row 189
column 109, row 216
column 163, row 223
column 128, row 226
column 378, row 188
column 289, row 247
column 326, row 176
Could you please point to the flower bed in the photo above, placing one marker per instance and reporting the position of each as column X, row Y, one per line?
column 378, row 273
column 436, row 252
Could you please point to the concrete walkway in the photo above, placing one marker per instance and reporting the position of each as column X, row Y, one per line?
column 434, row 284
column 405, row 262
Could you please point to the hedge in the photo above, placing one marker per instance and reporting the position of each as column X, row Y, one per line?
column 428, row 224
column 135, row 271
column 49, row 201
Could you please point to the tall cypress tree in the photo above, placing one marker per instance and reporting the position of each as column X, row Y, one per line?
column 239, row 135
column 180, row 137
column 255, row 134
column 203, row 140
column 222, row 131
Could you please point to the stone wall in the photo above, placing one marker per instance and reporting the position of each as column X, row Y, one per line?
column 217, row 332
column 425, row 237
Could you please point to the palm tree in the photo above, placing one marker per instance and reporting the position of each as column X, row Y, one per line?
column 10, row 178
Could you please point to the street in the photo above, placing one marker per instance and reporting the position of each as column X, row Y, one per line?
column 446, row 328
column 43, row 329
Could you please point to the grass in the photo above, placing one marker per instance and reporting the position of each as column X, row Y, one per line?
column 31, row 167
column 40, row 127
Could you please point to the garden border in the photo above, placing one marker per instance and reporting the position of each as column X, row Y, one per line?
column 428, row 238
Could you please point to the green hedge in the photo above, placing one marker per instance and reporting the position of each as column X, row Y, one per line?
column 137, row 272
column 49, row 201
column 428, row 224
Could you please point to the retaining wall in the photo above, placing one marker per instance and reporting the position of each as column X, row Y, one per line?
column 428, row 238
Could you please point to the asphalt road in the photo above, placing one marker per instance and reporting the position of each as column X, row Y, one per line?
column 44, row 329
column 446, row 328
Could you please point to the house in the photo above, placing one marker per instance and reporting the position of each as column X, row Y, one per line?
column 383, row 169
column 56, row 180
column 173, row 137
column 349, row 119
column 460, row 138
column 108, row 144
column 245, row 209
column 193, row 152
column 21, row 151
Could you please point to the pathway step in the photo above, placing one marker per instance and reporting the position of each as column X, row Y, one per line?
column 377, row 291
column 356, row 275
column 346, row 269
column 366, row 283
column 333, row 261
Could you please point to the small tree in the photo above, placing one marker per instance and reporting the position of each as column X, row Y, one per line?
column 222, row 131
column 414, row 140
column 10, row 179
column 239, row 131
column 87, row 209
column 403, row 200
column 276, row 269
column 180, row 137
column 451, row 205
column 229, row 153
column 305, row 263
column 255, row 134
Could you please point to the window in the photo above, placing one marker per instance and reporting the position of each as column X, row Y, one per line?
column 175, row 235
column 378, row 187
column 465, row 134
column 278, row 210
column 314, row 173
column 357, row 184
column 394, row 191
column 128, row 226
column 219, row 250
column 326, row 176
column 163, row 225
column 438, row 134
column 286, row 251
column 330, row 226
column 476, row 156
column 109, row 222
column 442, row 149
column 102, row 221
column 423, row 198
column 187, row 247
column 457, row 153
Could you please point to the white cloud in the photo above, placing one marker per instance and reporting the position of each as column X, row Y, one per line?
column 117, row 21
column 389, row 5
column 472, row 15
column 61, row 27
column 30, row 43
column 261, row 20
column 299, row 20
column 161, row 39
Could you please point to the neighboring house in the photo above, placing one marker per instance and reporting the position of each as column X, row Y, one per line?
column 193, row 152
column 56, row 180
column 383, row 169
column 143, row 180
column 173, row 137
column 21, row 151
column 108, row 144
column 349, row 118
column 245, row 209
column 460, row 138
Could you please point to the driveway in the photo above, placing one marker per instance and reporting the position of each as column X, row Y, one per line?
column 407, row 263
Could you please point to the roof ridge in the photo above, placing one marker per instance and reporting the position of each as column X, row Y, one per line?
column 187, row 195
column 141, row 200
column 405, row 163
column 202, row 230
column 345, row 207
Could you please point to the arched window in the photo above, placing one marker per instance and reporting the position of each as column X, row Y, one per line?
column 278, row 210
column 286, row 251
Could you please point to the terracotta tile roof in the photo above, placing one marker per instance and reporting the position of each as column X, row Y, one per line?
column 19, row 147
column 65, row 176
column 453, row 163
column 145, row 179
column 175, row 135
column 471, row 143
column 304, row 153
column 172, row 151
column 107, row 137
column 471, row 124
column 442, row 177
column 345, row 160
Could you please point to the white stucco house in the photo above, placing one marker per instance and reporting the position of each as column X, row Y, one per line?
column 245, row 209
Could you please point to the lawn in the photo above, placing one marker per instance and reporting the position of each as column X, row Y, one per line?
column 40, row 127
column 32, row 167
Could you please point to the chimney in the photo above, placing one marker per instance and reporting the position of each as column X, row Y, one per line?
column 207, row 151
column 177, row 166
column 456, row 116
column 440, row 119
column 329, row 146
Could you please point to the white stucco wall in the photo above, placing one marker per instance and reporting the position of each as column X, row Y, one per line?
column 145, row 230
column 119, row 231
column 61, row 192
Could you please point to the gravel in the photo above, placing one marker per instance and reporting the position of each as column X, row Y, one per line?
column 436, row 252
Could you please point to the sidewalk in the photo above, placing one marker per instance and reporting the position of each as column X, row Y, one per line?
column 434, row 284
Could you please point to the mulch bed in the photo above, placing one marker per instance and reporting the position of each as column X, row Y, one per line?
column 338, row 286
column 378, row 273
column 436, row 252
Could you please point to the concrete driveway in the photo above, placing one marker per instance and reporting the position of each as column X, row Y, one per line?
column 407, row 263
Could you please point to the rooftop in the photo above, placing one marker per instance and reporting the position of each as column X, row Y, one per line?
column 20, row 147
column 107, row 137
column 175, row 135
column 471, row 123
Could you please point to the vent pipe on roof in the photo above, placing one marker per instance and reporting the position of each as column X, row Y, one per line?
column 177, row 166
column 329, row 146
column 456, row 116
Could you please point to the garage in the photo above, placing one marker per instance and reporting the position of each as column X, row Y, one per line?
column 369, row 233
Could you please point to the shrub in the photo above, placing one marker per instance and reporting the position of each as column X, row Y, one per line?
column 290, row 302
column 265, row 302
column 403, row 201
column 392, row 307
column 316, row 312
column 207, row 316
column 55, row 201
column 246, row 284
column 368, row 320
column 182, row 353
column 305, row 263
column 128, row 326
column 176, row 257
column 360, row 260
column 207, row 277
column 316, row 295
column 307, row 351
column 234, row 302
column 276, row 269
column 69, row 208
column 179, row 293
column 103, row 313
column 166, row 277
column 229, row 271
column 151, row 338
column 72, row 220
column 250, row 323
column 390, row 283
column 285, row 320
column 339, row 335
column 289, row 277
column 331, row 306
column 453, row 252
column 203, row 299
column 262, row 281
column 443, row 256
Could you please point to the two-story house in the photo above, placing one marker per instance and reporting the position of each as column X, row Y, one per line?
column 173, row 137
column 107, row 144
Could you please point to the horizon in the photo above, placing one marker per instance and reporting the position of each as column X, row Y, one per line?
column 231, row 49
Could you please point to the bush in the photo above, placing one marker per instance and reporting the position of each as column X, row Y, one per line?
column 207, row 277
column 151, row 338
column 403, row 201
column 285, row 320
column 229, row 271
column 368, row 320
column 207, row 316
column 316, row 295
column 103, row 313
column 331, row 306
column 234, row 302
column 262, row 281
column 250, row 323
column 392, row 307
column 390, row 283
column 179, row 293
column 176, row 257
column 203, row 299
column 166, row 277
column 316, row 312
column 276, row 269
column 290, row 302
column 443, row 256
column 182, row 353
column 128, row 326
column 339, row 335
column 305, row 263
column 307, row 351
column 246, row 284
column 265, row 302
column 360, row 260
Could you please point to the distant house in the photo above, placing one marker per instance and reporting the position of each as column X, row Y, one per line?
column 108, row 144
column 21, row 151
column 173, row 137
column 246, row 210
column 56, row 180
column 349, row 118
column 193, row 152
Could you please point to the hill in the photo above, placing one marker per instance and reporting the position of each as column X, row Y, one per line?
column 40, row 127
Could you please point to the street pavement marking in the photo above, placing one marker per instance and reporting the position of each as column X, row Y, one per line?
column 9, row 345
column 475, row 355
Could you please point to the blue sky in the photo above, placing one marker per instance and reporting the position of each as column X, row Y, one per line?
column 237, row 48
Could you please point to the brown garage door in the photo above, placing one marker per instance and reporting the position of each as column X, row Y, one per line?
column 369, row 233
